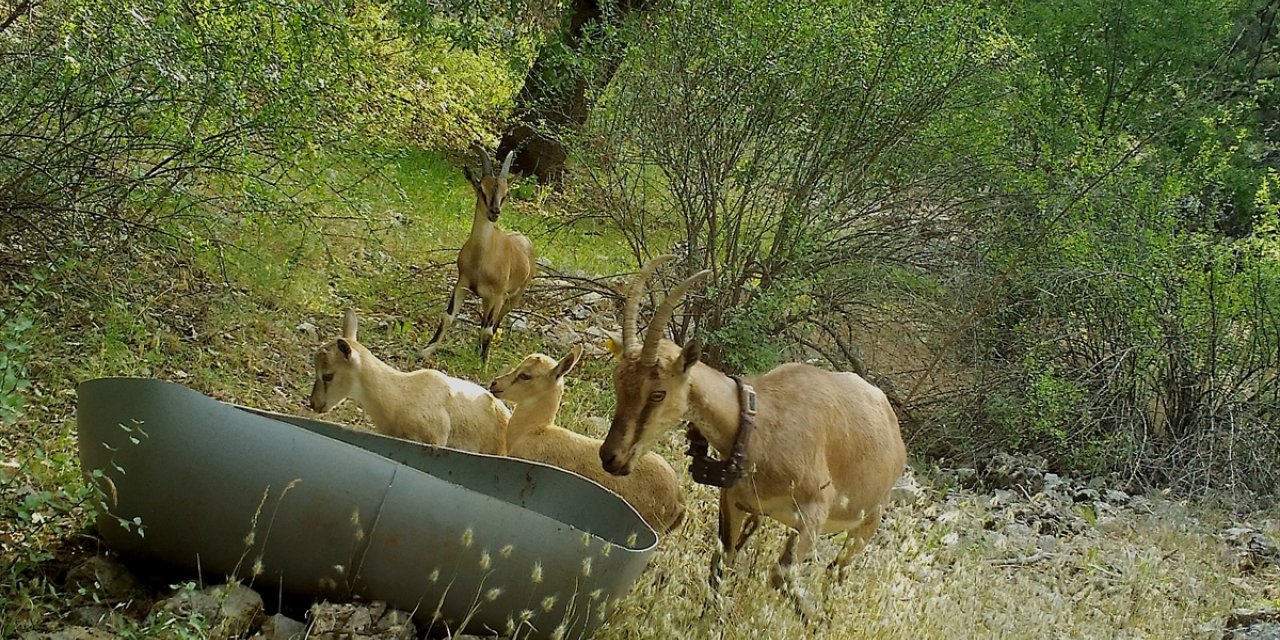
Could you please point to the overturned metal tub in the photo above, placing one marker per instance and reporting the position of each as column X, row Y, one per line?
column 464, row 541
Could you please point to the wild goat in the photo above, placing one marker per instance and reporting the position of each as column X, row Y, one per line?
column 824, row 453
column 493, row 264
column 424, row 405
column 536, row 387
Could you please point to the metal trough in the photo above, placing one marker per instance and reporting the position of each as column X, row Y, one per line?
column 464, row 541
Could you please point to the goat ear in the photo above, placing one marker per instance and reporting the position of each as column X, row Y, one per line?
column 345, row 347
column 614, row 343
column 466, row 172
column 567, row 363
column 349, row 324
column 690, row 354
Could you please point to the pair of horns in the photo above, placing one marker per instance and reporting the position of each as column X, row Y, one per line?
column 649, row 352
column 488, row 164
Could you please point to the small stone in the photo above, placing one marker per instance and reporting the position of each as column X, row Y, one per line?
column 1110, row 525
column 1003, row 498
column 906, row 491
column 561, row 336
column 1253, row 624
column 104, row 577
column 1047, row 544
column 1007, row 471
column 91, row 616
column 232, row 610
column 597, row 332
column 1019, row 533
column 281, row 627
column 1253, row 549
column 964, row 477
column 1052, row 482
column 1116, row 497
column 1086, row 495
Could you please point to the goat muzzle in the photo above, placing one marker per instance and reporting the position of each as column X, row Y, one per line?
column 614, row 463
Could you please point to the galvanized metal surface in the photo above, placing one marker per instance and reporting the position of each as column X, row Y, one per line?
column 474, row 542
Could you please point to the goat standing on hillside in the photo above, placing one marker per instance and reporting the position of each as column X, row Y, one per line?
column 823, row 456
column 536, row 387
column 493, row 264
column 424, row 405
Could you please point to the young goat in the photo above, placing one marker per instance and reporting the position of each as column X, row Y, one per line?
column 493, row 264
column 824, row 454
column 424, row 405
column 536, row 386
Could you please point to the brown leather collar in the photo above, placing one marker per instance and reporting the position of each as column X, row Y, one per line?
column 724, row 473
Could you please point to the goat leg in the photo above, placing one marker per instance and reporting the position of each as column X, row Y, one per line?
column 811, row 517
column 733, row 532
column 488, row 319
column 855, row 541
column 450, row 312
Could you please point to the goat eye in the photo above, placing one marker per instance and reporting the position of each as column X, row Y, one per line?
column 523, row 376
column 328, row 377
column 657, row 396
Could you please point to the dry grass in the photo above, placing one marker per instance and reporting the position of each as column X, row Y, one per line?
column 944, row 568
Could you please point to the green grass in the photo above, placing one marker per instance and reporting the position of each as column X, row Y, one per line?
column 234, row 324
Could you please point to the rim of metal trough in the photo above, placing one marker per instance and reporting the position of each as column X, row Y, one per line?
column 309, row 508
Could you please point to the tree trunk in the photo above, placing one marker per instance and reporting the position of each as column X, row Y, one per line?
column 553, row 99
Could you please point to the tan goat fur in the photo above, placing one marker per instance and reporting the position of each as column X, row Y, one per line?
column 424, row 405
column 536, row 387
column 824, row 455
column 493, row 264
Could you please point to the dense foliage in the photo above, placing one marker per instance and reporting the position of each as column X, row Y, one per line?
column 122, row 116
column 1042, row 226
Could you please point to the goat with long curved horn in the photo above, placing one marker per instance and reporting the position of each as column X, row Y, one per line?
column 816, row 450
column 632, row 306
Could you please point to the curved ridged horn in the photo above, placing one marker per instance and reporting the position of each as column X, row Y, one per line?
column 632, row 307
column 506, row 164
column 485, row 161
column 649, row 355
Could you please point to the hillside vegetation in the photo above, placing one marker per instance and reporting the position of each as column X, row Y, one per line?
column 1045, row 229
